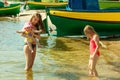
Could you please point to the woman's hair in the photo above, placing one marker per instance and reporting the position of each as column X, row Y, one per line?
column 39, row 25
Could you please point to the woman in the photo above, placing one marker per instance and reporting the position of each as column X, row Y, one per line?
column 37, row 23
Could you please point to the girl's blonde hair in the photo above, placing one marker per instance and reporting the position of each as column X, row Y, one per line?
column 88, row 29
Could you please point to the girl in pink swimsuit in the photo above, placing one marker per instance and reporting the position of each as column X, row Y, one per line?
column 94, row 49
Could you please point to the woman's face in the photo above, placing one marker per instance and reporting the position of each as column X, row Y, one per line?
column 35, row 20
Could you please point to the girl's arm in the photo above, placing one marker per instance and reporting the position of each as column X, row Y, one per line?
column 20, row 32
column 96, row 39
column 103, row 45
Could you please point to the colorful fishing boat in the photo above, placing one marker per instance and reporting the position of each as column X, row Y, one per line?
column 12, row 9
column 73, row 20
column 42, row 5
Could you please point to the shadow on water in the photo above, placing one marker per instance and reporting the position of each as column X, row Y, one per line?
column 69, row 75
column 71, row 56
column 116, row 66
column 108, row 78
column 55, row 44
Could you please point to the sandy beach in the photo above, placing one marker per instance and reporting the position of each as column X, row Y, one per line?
column 24, row 15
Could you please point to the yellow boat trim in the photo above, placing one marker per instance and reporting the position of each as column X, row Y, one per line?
column 10, row 8
column 48, row 4
column 96, row 16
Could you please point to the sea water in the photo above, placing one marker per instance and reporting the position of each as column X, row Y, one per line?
column 60, row 58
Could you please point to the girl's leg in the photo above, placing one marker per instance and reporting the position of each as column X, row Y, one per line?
column 93, row 65
column 89, row 67
column 28, row 57
column 95, row 62
column 95, row 73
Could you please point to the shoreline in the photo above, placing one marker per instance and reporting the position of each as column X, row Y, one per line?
column 24, row 15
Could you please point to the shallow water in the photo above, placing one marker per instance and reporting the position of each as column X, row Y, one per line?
column 60, row 58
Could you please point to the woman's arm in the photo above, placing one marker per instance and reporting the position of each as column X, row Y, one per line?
column 37, row 36
column 37, row 31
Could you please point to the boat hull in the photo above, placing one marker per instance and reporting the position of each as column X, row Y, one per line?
column 13, row 9
column 69, row 23
column 43, row 5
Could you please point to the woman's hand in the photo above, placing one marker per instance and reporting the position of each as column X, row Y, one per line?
column 37, row 31
column 37, row 36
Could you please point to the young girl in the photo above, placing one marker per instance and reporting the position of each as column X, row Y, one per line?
column 94, row 49
column 37, row 24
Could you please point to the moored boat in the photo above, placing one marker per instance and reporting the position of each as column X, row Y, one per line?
column 71, row 22
column 43, row 5
column 12, row 9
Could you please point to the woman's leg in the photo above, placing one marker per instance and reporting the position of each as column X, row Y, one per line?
column 28, row 57
column 29, row 75
column 33, row 57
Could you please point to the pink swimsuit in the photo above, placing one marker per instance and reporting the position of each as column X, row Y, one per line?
column 93, row 47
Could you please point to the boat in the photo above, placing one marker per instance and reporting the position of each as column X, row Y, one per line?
column 109, row 4
column 71, row 21
column 12, row 9
column 43, row 5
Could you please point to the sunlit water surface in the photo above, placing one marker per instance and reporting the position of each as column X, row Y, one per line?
column 58, row 59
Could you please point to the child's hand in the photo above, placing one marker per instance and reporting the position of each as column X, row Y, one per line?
column 17, row 31
column 103, row 45
column 92, row 57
